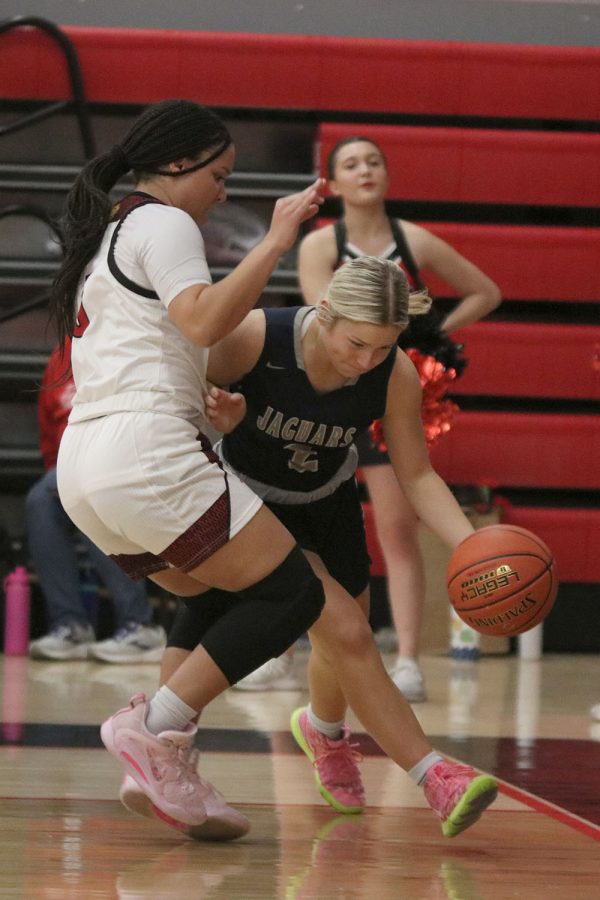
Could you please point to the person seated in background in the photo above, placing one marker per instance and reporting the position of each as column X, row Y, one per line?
column 53, row 546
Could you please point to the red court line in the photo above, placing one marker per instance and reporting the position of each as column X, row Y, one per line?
column 550, row 809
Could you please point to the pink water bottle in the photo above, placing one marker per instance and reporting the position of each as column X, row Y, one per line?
column 17, row 598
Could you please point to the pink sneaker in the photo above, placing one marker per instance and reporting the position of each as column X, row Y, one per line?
column 160, row 764
column 458, row 795
column 223, row 823
column 334, row 762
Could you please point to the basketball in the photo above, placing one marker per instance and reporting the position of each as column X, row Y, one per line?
column 502, row 580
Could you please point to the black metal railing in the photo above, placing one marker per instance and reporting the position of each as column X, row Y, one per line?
column 77, row 102
column 39, row 214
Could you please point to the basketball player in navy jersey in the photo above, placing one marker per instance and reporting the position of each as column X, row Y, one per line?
column 358, row 176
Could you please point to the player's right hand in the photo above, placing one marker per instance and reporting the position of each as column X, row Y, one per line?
column 291, row 211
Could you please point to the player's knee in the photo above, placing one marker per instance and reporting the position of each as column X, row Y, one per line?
column 344, row 632
column 195, row 616
column 295, row 595
column 308, row 598
column 357, row 636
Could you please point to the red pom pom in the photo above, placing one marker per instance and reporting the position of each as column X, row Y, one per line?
column 437, row 414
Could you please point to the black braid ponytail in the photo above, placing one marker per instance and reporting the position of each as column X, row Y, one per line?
column 165, row 132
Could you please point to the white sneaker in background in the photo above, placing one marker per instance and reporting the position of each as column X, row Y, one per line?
column 275, row 675
column 408, row 678
column 64, row 642
column 131, row 644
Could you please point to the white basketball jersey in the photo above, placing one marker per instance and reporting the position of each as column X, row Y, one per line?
column 126, row 353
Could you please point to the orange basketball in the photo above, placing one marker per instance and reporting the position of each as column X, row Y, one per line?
column 502, row 580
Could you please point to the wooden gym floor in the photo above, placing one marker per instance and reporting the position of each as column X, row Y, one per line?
column 64, row 834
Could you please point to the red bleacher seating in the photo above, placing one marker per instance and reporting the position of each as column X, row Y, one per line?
column 466, row 165
column 311, row 72
column 508, row 449
column 573, row 535
column 528, row 262
column 514, row 359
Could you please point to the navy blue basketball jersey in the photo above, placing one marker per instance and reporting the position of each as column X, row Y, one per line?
column 293, row 438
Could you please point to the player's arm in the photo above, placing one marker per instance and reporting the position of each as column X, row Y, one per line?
column 428, row 494
column 237, row 354
column 316, row 260
column 206, row 313
column 478, row 294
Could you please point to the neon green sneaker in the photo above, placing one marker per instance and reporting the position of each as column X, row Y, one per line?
column 458, row 795
column 336, row 773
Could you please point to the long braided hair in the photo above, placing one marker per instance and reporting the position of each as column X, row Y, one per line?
column 164, row 133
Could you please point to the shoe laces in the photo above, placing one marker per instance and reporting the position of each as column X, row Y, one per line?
column 74, row 633
column 174, row 765
column 126, row 631
column 447, row 772
column 192, row 763
column 444, row 782
column 60, row 632
column 182, row 761
column 341, row 759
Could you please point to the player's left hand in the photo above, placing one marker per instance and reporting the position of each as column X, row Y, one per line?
column 224, row 410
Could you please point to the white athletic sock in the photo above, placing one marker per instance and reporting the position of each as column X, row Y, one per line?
column 331, row 730
column 419, row 772
column 166, row 712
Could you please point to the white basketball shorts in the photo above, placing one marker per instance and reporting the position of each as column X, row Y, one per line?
column 148, row 490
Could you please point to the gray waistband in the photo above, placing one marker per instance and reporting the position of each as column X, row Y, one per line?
column 296, row 498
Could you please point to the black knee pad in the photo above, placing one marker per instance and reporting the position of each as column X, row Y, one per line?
column 196, row 615
column 267, row 618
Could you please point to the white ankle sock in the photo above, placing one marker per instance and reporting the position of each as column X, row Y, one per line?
column 166, row 712
column 331, row 730
column 418, row 772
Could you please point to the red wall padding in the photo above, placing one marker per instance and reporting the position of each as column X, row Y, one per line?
column 520, row 450
column 527, row 262
column 310, row 72
column 515, row 359
column 483, row 165
column 573, row 535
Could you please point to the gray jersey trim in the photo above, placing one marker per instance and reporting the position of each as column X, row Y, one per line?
column 296, row 498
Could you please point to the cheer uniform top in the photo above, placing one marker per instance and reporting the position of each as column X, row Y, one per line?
column 436, row 356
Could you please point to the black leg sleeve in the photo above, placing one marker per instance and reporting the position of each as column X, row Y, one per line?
column 195, row 616
column 264, row 619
